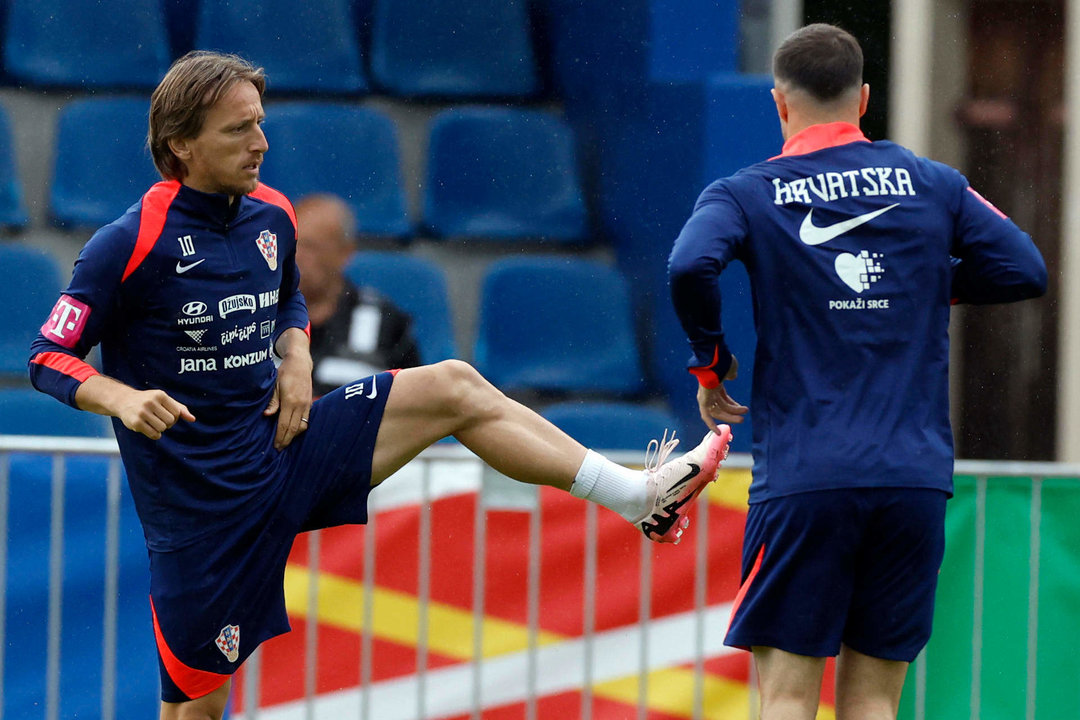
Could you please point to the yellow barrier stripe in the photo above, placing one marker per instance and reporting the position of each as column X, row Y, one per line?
column 396, row 617
column 671, row 691
column 730, row 489
column 450, row 632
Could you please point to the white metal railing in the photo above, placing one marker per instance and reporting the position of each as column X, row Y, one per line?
column 439, row 471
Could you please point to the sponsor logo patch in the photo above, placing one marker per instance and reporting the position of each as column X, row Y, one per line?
column 66, row 321
column 197, row 365
column 268, row 298
column 240, row 332
column 251, row 358
column 194, row 308
column 234, row 303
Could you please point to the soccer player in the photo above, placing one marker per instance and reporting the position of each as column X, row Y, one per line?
column 855, row 250
column 189, row 293
column 355, row 331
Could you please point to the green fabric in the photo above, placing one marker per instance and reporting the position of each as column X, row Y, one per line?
column 1003, row 661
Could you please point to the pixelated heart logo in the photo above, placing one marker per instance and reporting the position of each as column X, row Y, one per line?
column 849, row 268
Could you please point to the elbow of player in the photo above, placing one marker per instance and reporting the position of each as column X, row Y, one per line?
column 1037, row 281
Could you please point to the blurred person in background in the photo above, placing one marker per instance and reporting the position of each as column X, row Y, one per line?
column 855, row 252
column 355, row 331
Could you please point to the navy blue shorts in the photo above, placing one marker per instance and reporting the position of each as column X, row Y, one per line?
column 856, row 566
column 215, row 601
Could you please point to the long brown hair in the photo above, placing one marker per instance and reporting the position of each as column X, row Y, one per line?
column 179, row 105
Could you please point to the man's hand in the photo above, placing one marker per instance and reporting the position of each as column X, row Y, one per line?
column 150, row 412
column 715, row 403
column 292, row 392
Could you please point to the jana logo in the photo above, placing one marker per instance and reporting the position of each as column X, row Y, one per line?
column 194, row 308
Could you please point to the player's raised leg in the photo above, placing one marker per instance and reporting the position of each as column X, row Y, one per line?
column 429, row 403
column 208, row 707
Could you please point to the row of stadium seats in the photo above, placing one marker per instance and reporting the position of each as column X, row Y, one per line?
column 492, row 173
column 410, row 48
column 532, row 309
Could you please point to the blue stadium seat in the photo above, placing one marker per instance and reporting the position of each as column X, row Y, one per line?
column 344, row 149
column 611, row 425
column 102, row 165
column 503, row 174
column 25, row 411
column 451, row 49
column 12, row 208
column 557, row 325
column 418, row 287
column 29, row 290
column 305, row 47
column 75, row 43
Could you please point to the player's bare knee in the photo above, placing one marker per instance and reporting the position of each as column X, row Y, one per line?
column 463, row 391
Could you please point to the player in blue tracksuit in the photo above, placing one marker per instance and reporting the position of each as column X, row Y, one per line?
column 855, row 251
column 190, row 294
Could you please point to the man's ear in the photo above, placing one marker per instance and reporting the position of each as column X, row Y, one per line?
column 864, row 98
column 781, row 104
column 180, row 148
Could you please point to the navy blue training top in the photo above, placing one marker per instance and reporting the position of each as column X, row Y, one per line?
column 185, row 293
column 854, row 250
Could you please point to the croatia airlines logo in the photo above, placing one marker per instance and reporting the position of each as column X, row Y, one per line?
column 267, row 243
column 66, row 321
column 228, row 642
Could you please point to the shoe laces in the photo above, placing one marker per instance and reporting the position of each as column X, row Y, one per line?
column 656, row 454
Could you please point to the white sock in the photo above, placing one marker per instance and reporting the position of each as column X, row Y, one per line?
column 617, row 488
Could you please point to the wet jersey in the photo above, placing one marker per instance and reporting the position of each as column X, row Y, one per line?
column 854, row 250
column 185, row 293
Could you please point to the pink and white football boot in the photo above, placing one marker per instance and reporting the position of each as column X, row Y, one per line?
column 673, row 485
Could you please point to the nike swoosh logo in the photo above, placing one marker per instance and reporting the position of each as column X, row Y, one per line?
column 811, row 234
column 693, row 473
column 374, row 389
column 181, row 268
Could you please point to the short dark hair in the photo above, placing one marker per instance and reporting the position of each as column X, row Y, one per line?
column 181, row 101
column 820, row 59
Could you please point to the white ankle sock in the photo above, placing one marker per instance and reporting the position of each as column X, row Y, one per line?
column 617, row 488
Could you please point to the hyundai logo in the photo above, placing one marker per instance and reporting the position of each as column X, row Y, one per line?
column 194, row 308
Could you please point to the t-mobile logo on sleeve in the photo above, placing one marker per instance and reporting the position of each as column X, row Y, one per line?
column 66, row 321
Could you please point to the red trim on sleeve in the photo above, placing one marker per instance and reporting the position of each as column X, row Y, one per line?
column 746, row 586
column 307, row 330
column 155, row 206
column 193, row 683
column 67, row 364
column 706, row 376
column 270, row 195
column 987, row 203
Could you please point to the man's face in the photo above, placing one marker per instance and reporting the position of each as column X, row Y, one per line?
column 322, row 250
column 225, row 156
